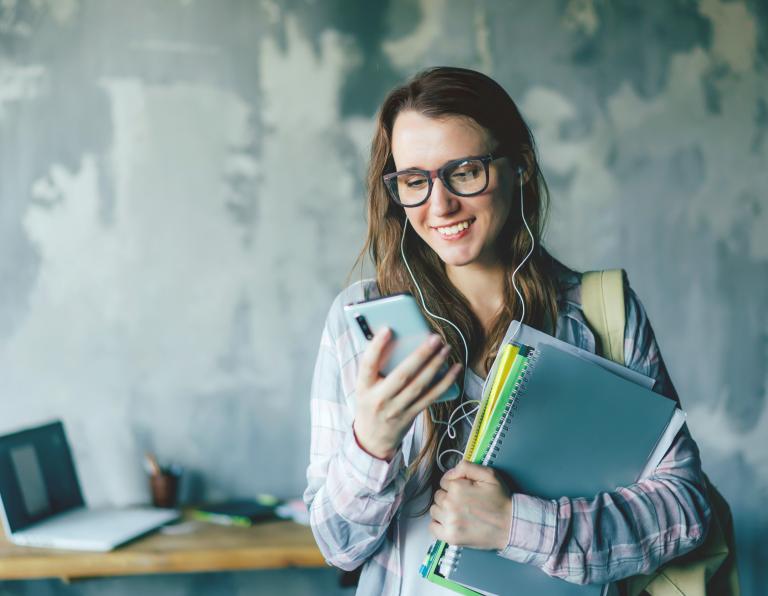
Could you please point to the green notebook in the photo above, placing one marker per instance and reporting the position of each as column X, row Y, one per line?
column 237, row 513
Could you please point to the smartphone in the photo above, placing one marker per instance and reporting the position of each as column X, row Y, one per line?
column 401, row 314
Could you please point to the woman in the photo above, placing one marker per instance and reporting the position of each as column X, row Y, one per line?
column 454, row 178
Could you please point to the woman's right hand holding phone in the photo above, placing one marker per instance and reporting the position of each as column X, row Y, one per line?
column 387, row 406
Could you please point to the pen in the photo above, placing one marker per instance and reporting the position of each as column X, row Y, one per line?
column 154, row 467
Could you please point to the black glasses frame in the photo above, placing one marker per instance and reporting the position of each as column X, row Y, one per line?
column 440, row 173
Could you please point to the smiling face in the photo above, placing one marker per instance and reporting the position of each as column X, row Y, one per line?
column 461, row 230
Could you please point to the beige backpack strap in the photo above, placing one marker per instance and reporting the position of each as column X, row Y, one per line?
column 602, row 301
column 710, row 569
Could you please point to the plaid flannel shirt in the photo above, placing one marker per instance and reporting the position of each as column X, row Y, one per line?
column 354, row 499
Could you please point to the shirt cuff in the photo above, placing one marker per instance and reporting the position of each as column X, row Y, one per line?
column 533, row 530
column 371, row 472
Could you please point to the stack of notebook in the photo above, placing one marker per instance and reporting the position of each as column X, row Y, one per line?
column 558, row 421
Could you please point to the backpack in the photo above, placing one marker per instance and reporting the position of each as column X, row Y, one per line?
column 710, row 569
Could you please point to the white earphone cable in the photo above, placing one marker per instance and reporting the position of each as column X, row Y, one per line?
column 450, row 430
column 530, row 252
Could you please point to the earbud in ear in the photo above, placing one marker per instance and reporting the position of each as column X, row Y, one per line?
column 520, row 170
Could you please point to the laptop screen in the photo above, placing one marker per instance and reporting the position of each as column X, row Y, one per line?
column 37, row 475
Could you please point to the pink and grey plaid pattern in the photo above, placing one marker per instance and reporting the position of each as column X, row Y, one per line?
column 354, row 499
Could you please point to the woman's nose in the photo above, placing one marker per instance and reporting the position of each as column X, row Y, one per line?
column 442, row 201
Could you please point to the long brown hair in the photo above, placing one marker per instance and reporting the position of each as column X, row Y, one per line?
column 436, row 93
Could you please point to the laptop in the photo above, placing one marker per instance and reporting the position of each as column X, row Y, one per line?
column 41, row 501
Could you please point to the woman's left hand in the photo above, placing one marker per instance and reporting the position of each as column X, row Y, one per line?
column 473, row 507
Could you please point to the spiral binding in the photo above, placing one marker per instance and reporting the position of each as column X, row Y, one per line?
column 450, row 560
column 511, row 408
column 452, row 554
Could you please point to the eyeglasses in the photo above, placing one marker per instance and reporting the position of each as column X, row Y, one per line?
column 465, row 177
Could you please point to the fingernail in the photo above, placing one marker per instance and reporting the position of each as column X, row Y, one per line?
column 435, row 341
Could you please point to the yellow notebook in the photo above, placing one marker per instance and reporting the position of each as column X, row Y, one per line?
column 502, row 372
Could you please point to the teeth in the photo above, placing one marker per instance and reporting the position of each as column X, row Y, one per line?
column 453, row 230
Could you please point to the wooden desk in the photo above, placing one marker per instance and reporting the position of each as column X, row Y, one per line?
column 209, row 547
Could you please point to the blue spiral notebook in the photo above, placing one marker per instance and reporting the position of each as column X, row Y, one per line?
column 569, row 427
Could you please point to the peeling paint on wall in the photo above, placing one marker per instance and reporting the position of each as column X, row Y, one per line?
column 182, row 195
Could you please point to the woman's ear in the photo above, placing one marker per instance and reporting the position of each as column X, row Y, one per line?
column 526, row 166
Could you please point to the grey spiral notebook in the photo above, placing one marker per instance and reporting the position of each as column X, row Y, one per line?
column 573, row 429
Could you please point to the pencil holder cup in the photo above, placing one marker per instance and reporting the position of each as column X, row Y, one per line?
column 164, row 488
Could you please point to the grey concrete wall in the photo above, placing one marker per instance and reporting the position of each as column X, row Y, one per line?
column 181, row 197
